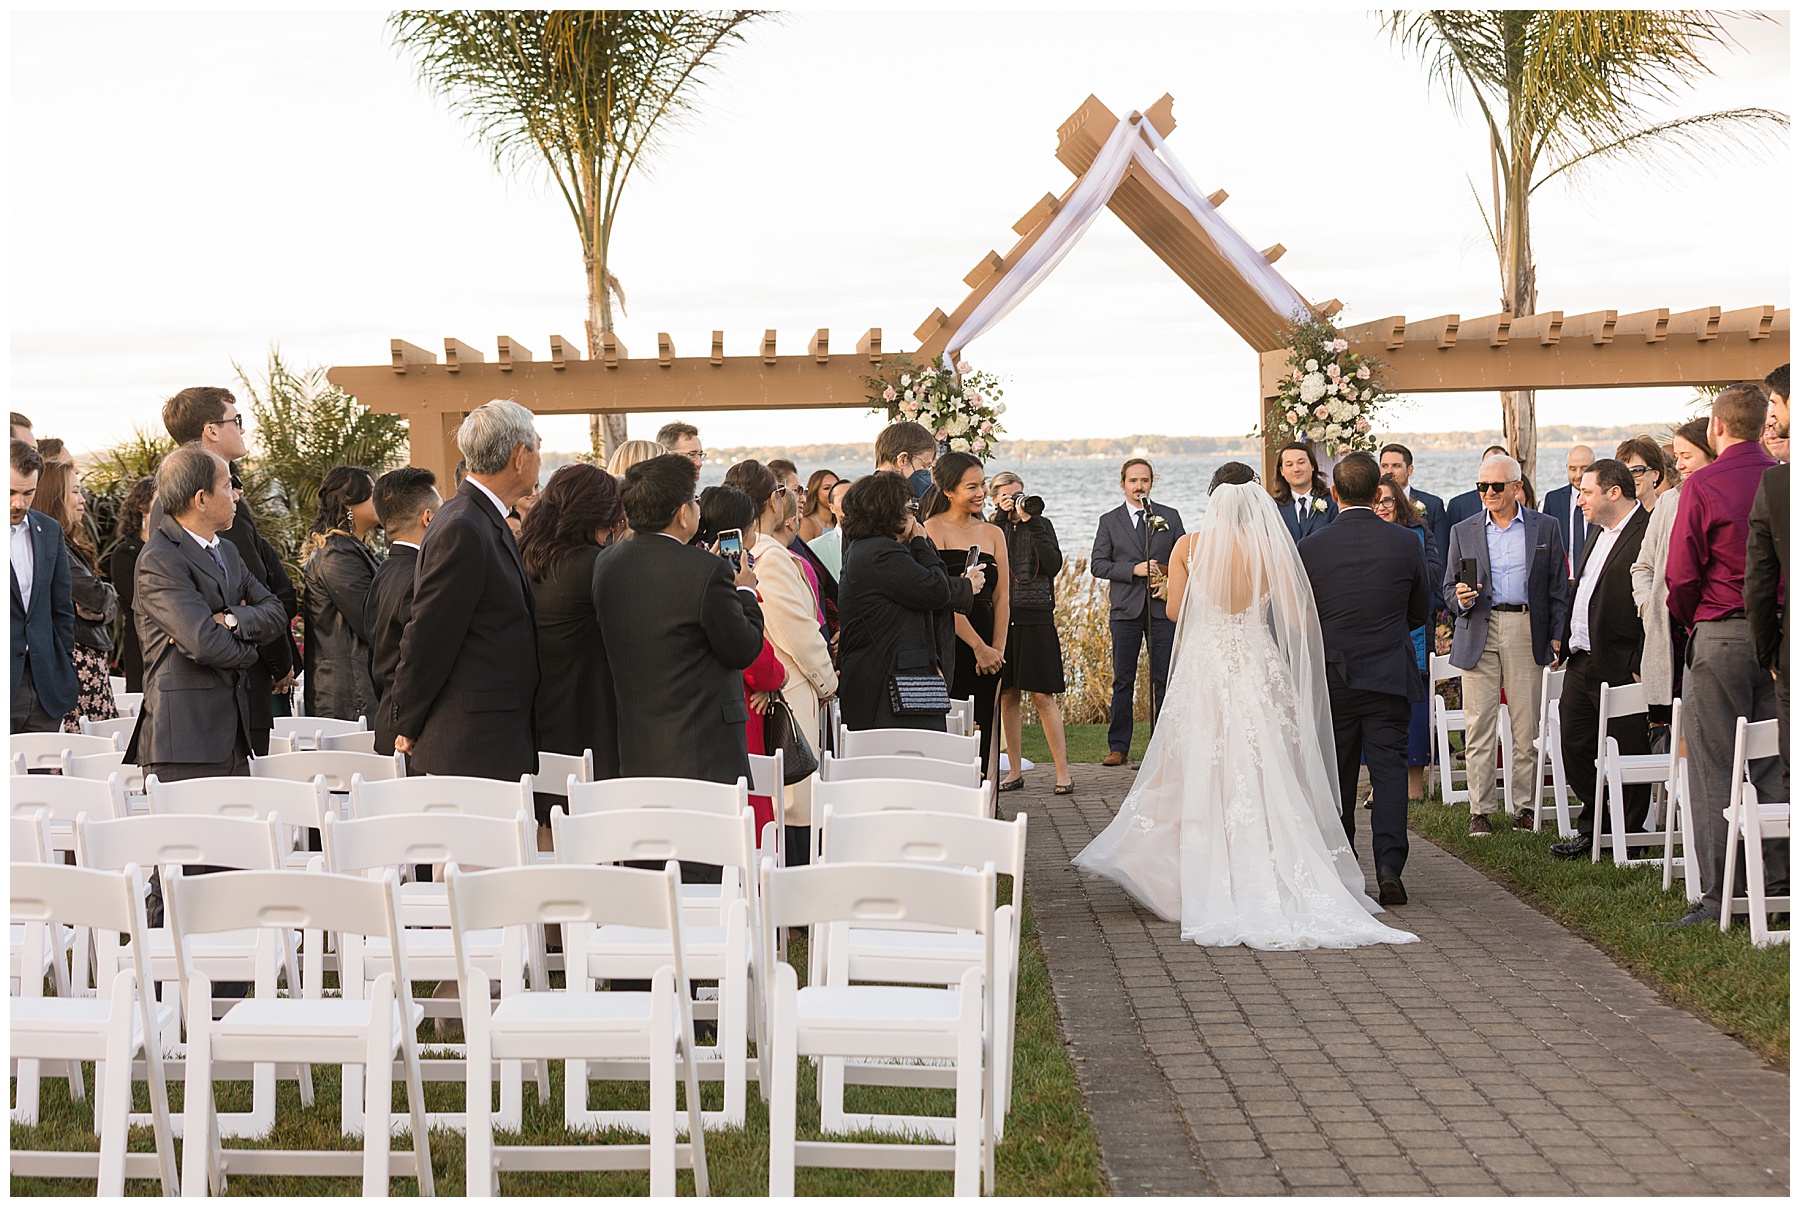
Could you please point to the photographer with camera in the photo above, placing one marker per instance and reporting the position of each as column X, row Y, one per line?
column 1033, row 650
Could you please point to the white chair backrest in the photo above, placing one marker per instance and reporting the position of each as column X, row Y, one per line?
column 307, row 729
column 171, row 839
column 280, row 745
column 930, row 839
column 652, row 792
column 361, row 741
column 117, row 728
column 767, row 773
column 129, row 704
column 18, row 764
column 1625, row 701
column 961, row 717
column 108, row 902
column 44, row 750
column 1442, row 670
column 555, row 770
column 912, row 796
column 100, row 766
column 919, row 743
column 901, row 767
column 63, row 798
column 366, row 844
column 1553, row 684
column 117, row 683
column 440, row 794
column 1757, row 740
column 30, row 836
column 877, row 893
column 297, row 802
column 337, row 766
column 658, row 834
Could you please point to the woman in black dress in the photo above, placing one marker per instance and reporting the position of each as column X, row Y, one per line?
column 1033, row 650
column 577, row 514
column 955, row 510
column 96, row 603
column 134, row 514
column 337, row 573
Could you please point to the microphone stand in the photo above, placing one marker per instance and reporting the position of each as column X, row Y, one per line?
column 1150, row 611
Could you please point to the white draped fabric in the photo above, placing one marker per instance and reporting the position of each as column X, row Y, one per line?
column 1130, row 142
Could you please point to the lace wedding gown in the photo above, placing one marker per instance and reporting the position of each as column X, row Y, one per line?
column 1233, row 827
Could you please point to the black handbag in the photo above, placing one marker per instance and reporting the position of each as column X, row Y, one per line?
column 918, row 695
column 780, row 733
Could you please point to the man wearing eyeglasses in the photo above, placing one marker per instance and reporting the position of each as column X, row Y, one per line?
column 1506, row 582
column 682, row 438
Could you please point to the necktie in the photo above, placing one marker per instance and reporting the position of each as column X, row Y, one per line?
column 219, row 561
column 1300, row 509
column 1137, row 522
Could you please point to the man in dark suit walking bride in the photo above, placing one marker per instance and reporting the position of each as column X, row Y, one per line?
column 1369, row 581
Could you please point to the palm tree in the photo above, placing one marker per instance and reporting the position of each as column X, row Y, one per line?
column 1561, row 90
column 583, row 93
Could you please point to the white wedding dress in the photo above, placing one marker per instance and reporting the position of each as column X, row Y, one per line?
column 1233, row 827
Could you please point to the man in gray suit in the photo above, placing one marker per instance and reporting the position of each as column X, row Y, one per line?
column 200, row 615
column 1510, row 604
column 1134, row 542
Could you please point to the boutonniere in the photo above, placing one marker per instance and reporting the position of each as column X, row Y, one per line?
column 1419, row 510
column 1157, row 523
column 1318, row 506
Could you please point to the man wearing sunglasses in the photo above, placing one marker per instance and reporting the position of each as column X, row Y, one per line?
column 1506, row 582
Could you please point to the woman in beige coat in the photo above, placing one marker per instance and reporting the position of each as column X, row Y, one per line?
column 790, row 622
column 1649, row 583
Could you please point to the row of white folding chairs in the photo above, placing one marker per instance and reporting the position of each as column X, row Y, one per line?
column 1750, row 820
column 128, row 703
column 1449, row 771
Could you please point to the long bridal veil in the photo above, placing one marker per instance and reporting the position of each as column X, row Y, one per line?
column 1233, row 826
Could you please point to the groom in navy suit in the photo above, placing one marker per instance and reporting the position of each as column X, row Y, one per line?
column 1300, row 494
column 1131, row 537
column 1368, row 578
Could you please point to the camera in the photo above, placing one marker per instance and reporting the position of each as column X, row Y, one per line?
column 1031, row 506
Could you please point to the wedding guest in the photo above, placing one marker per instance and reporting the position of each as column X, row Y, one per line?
column 823, row 580
column 96, row 601
column 515, row 519
column 894, row 585
column 790, row 622
column 816, row 517
column 906, row 448
column 468, row 673
column 133, row 530
column 1643, row 456
column 575, row 518
column 957, row 524
column 683, row 438
column 1765, row 561
column 1469, row 503
column 54, row 451
column 1397, row 463
column 631, row 453
column 723, row 509
column 1664, row 645
column 21, row 429
column 1131, row 550
column 201, row 615
column 829, row 544
column 752, row 477
column 788, row 474
column 1561, row 505
column 1603, row 645
column 406, row 499
column 1392, row 505
column 1300, row 492
column 44, row 685
column 1723, row 680
column 1034, row 660
column 338, row 570
column 1509, row 622
column 1775, row 436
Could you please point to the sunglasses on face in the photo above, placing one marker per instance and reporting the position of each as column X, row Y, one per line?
column 1638, row 471
column 1492, row 487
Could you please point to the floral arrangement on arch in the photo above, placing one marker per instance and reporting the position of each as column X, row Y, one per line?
column 962, row 408
column 1329, row 394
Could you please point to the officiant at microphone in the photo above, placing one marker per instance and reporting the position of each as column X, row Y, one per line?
column 1132, row 549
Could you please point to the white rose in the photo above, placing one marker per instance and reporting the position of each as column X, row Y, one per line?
column 999, row 408
column 959, row 445
column 1312, row 366
column 906, row 379
column 1365, row 395
column 1312, row 387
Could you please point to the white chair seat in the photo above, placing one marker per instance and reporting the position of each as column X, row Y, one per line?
column 897, row 1008
column 309, row 1018
column 76, row 1015
column 1636, row 766
column 558, row 1013
column 700, row 940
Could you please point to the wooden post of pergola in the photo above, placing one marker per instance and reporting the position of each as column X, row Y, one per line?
column 1496, row 352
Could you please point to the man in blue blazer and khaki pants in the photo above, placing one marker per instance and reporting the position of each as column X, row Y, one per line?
column 44, row 687
column 1130, row 539
column 1509, row 616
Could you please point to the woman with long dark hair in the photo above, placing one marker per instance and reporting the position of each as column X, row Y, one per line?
column 816, row 516
column 1034, row 651
column 1665, row 643
column 133, row 531
column 577, row 514
column 96, row 602
column 1392, row 505
column 339, row 567
column 955, row 518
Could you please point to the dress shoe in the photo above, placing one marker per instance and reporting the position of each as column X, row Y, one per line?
column 1579, row 847
column 1113, row 758
column 1523, row 819
column 1700, row 917
column 1391, row 891
column 1480, row 826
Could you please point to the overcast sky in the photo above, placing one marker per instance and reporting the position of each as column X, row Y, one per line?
column 189, row 189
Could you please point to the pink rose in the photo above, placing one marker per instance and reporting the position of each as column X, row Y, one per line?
column 987, row 426
column 888, row 394
column 943, row 433
column 1319, row 412
column 1340, row 345
column 1362, row 373
column 1362, row 425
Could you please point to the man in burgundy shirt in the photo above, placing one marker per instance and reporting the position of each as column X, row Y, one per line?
column 1706, row 595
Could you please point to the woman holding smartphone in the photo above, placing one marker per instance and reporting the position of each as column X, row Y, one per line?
column 955, row 519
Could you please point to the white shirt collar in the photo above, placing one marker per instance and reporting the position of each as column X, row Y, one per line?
column 402, row 545
column 200, row 540
column 23, row 525
column 492, row 497
column 1342, row 508
column 1626, row 520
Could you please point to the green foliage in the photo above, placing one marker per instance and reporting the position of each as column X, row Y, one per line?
column 961, row 408
column 303, row 427
column 115, row 469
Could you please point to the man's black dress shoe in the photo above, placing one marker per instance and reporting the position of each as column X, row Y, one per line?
column 1700, row 917
column 1579, row 847
column 1390, row 890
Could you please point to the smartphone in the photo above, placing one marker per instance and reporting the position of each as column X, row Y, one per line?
column 1469, row 574
column 974, row 558
column 731, row 546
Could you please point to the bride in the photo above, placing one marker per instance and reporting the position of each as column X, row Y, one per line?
column 1233, row 826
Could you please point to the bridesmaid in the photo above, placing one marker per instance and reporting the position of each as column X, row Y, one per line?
column 955, row 520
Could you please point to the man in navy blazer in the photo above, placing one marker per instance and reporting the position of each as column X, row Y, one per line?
column 1368, row 578
column 44, row 688
column 1509, row 619
column 1131, row 537
column 1564, row 505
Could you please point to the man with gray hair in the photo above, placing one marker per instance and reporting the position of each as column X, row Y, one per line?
column 1506, row 582
column 462, row 695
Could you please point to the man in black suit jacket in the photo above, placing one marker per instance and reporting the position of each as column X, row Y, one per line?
column 44, row 688
column 201, row 616
column 1132, row 539
column 405, row 500
column 463, row 691
column 1368, row 577
column 1397, row 463
column 1604, row 643
column 1765, row 561
column 679, row 629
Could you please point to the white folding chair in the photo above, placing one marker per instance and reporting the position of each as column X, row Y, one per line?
column 577, row 1023
column 337, row 766
column 1549, row 751
column 368, row 1031
column 18, row 764
column 31, row 844
column 43, row 751
column 1680, row 805
column 305, row 732
column 896, row 956
column 1614, row 771
column 109, row 1031
column 836, row 1019
column 441, row 794
column 1750, row 820
column 100, row 766
column 361, row 741
column 768, row 777
column 881, row 795
column 659, row 792
column 554, row 771
column 117, row 728
column 117, row 683
column 961, row 718
column 129, row 704
column 299, row 804
column 917, row 743
column 901, row 767
column 63, row 798
column 1452, row 780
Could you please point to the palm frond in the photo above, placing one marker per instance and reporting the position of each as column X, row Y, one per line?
column 1684, row 138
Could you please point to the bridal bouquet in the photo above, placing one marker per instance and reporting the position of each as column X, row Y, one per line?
column 962, row 409
column 1330, row 395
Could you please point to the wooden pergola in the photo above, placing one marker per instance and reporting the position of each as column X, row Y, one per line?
column 1604, row 348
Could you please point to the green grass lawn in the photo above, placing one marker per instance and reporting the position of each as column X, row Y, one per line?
column 1087, row 743
column 1049, row 1148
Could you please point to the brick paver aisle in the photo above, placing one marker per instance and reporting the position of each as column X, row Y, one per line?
column 1499, row 1055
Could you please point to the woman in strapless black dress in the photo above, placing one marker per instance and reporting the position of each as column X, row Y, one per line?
column 954, row 508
